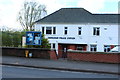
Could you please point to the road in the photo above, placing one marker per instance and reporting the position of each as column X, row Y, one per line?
column 26, row 72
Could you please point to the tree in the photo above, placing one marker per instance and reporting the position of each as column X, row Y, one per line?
column 30, row 13
column 45, row 42
column 17, row 37
column 10, row 37
column 6, row 38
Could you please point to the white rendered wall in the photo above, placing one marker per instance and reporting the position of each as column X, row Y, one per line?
column 107, row 37
column 119, row 37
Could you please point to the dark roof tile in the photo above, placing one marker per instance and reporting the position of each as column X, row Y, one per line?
column 78, row 15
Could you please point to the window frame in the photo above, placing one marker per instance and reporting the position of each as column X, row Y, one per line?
column 96, row 31
column 54, row 30
column 49, row 30
column 93, row 48
column 53, row 46
column 65, row 30
column 79, row 30
column 80, row 47
column 107, row 48
column 43, row 30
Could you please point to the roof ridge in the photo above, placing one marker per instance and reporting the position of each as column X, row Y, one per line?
column 78, row 8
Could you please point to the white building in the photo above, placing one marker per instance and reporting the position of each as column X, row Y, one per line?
column 78, row 29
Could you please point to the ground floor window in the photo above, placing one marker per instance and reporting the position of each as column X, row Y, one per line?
column 107, row 48
column 52, row 45
column 80, row 48
column 93, row 47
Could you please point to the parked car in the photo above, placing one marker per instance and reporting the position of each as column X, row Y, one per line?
column 115, row 49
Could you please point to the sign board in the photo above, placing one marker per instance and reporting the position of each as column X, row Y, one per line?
column 61, row 37
column 33, row 38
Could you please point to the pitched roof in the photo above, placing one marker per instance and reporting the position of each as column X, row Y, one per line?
column 78, row 15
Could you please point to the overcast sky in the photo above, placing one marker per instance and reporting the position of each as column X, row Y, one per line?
column 9, row 8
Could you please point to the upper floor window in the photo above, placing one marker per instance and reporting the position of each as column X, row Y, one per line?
column 48, row 30
column 43, row 30
column 79, row 30
column 65, row 30
column 93, row 47
column 96, row 31
column 54, row 30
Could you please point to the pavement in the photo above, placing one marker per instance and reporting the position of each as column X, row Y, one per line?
column 62, row 64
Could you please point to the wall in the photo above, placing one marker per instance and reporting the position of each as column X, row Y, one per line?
column 53, row 55
column 59, row 51
column 72, row 46
column 107, row 37
column 36, row 53
column 94, row 56
column 119, row 34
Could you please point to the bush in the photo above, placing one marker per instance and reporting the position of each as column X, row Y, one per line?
column 11, row 39
column 14, row 39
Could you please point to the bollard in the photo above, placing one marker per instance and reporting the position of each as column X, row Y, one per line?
column 26, row 53
column 30, row 55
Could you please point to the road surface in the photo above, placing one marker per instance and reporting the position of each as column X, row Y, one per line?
column 26, row 72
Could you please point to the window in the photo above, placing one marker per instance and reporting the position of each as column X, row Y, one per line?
column 79, row 30
column 93, row 48
column 80, row 48
column 66, row 28
column 106, row 48
column 48, row 30
column 54, row 30
column 53, row 45
column 50, row 45
column 96, row 31
column 43, row 30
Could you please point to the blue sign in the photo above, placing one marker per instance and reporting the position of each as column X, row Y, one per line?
column 33, row 38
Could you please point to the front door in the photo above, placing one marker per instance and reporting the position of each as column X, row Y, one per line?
column 64, row 51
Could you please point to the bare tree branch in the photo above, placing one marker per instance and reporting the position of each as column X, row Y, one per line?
column 30, row 13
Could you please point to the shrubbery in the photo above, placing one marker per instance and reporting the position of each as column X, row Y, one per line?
column 14, row 39
column 11, row 38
